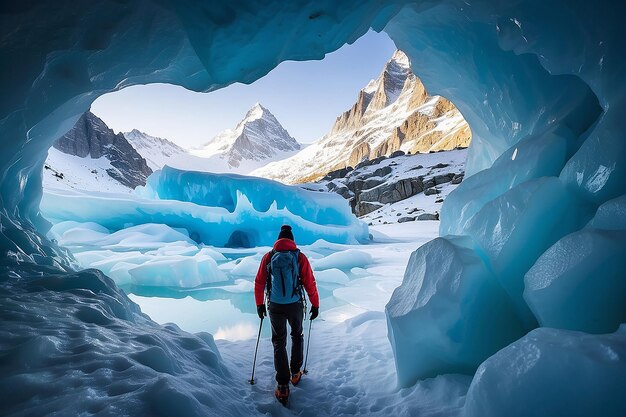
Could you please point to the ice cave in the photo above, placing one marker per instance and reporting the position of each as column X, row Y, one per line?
column 521, row 297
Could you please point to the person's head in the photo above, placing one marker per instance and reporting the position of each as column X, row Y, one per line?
column 285, row 232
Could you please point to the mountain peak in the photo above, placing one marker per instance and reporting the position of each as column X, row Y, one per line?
column 256, row 112
column 258, row 136
column 400, row 58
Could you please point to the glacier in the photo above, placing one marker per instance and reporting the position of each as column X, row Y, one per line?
column 541, row 86
column 224, row 210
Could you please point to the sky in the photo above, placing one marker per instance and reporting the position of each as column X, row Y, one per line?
column 305, row 97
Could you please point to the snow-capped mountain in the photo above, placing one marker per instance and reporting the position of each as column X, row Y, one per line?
column 393, row 112
column 158, row 152
column 256, row 140
column 93, row 157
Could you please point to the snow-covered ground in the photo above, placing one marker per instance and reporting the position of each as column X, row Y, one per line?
column 351, row 362
column 69, row 172
column 430, row 167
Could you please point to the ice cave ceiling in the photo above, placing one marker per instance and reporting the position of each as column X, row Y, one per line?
column 540, row 83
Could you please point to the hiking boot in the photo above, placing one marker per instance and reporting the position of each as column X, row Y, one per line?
column 295, row 378
column 282, row 394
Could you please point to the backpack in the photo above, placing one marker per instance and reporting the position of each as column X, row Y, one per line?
column 283, row 282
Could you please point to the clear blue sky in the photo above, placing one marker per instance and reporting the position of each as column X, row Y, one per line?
column 305, row 97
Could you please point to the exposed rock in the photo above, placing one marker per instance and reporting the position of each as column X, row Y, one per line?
column 396, row 154
column 429, row 183
column 431, row 191
column 339, row 173
column 382, row 171
column 368, row 162
column 428, row 216
column 91, row 137
column 406, row 219
column 364, row 207
column 372, row 182
column 458, row 178
column 352, row 118
column 359, row 153
column 344, row 192
column 356, row 185
column 442, row 179
column 392, row 192
column 440, row 165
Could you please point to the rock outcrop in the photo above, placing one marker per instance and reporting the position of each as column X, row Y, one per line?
column 384, row 181
column 91, row 137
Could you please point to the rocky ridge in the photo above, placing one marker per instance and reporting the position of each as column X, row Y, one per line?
column 91, row 137
column 393, row 112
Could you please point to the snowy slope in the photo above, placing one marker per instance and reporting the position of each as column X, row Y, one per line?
column 158, row 152
column 68, row 172
column 399, row 189
column 393, row 112
column 256, row 140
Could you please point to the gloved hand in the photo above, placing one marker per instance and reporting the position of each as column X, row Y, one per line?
column 315, row 311
column 261, row 311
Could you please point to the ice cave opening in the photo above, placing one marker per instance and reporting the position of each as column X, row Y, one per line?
column 518, row 303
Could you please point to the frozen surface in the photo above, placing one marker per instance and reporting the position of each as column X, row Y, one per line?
column 552, row 372
column 504, row 230
column 449, row 314
column 349, row 348
column 579, row 283
column 80, row 329
column 215, row 209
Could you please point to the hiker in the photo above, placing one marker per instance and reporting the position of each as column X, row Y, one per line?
column 284, row 271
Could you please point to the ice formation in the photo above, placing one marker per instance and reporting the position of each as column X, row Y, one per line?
column 224, row 210
column 540, row 83
column 553, row 372
column 449, row 314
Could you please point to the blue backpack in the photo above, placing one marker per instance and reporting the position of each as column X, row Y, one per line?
column 283, row 283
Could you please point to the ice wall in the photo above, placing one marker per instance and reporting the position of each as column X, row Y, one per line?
column 534, row 82
column 215, row 209
column 541, row 84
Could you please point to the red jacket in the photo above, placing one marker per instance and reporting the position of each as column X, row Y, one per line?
column 306, row 274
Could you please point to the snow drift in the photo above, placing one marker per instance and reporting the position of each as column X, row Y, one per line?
column 540, row 83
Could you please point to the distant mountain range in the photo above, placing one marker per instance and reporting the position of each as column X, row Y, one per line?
column 393, row 112
column 93, row 157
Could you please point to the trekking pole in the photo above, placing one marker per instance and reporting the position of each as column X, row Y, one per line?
column 251, row 380
column 306, row 358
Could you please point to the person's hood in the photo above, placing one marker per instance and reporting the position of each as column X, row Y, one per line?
column 285, row 244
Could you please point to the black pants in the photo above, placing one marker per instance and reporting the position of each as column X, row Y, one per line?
column 280, row 314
